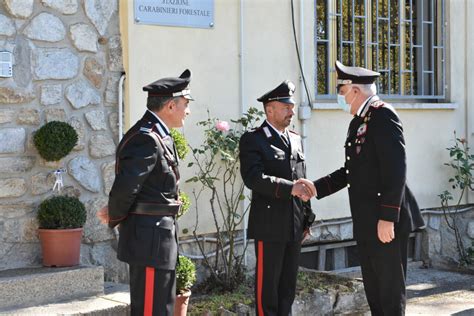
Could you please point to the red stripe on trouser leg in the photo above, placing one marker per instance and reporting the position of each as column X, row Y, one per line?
column 149, row 287
column 260, row 278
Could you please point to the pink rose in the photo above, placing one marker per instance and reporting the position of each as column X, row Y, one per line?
column 222, row 126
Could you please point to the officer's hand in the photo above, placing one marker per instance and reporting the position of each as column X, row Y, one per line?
column 306, row 234
column 299, row 190
column 385, row 231
column 309, row 186
column 103, row 215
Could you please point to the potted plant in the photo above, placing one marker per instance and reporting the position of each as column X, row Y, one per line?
column 185, row 278
column 61, row 219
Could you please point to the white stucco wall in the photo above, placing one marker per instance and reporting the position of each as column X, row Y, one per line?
column 269, row 57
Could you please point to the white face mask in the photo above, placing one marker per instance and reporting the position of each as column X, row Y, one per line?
column 341, row 100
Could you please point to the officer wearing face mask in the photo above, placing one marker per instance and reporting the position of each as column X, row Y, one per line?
column 384, row 211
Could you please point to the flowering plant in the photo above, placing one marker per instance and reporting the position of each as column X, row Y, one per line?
column 463, row 164
column 217, row 170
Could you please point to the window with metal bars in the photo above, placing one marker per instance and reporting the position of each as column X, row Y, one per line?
column 404, row 40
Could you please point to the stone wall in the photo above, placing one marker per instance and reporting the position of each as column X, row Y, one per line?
column 67, row 64
column 439, row 243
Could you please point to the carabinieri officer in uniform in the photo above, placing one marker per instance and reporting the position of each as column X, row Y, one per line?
column 384, row 210
column 143, row 200
column 271, row 160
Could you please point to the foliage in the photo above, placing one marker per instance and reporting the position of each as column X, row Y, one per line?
column 55, row 140
column 182, row 150
column 243, row 294
column 185, row 203
column 61, row 212
column 462, row 164
column 180, row 142
column 217, row 171
column 185, row 274
column 306, row 283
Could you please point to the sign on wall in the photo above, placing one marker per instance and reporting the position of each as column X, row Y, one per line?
column 189, row 13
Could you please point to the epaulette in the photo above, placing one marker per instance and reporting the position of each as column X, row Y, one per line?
column 255, row 129
column 147, row 128
column 377, row 104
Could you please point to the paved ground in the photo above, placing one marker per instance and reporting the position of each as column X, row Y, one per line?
column 434, row 291
column 438, row 292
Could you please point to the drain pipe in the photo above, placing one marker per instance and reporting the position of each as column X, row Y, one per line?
column 242, row 109
column 120, row 106
column 304, row 110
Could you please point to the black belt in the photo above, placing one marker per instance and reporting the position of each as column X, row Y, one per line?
column 156, row 209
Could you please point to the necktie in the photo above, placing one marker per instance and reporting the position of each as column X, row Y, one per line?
column 285, row 140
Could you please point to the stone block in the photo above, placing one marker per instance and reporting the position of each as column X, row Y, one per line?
column 108, row 174
column 346, row 231
column 111, row 92
column 63, row 6
column 7, row 27
column 115, row 54
column 80, row 95
column 94, row 71
column 434, row 221
column 15, row 255
column 84, row 37
column 96, row 120
column 16, row 164
column 19, row 8
column 56, row 114
column 15, row 209
column 7, row 116
column 12, row 140
column 114, row 124
column 42, row 182
column 55, row 63
column 83, row 170
column 28, row 117
column 45, row 27
column 51, row 94
column 81, row 131
column 94, row 230
column 470, row 229
column 40, row 286
column 22, row 74
column 12, row 187
column 101, row 146
column 15, row 95
column 99, row 13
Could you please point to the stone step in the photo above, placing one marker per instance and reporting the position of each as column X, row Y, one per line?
column 25, row 287
column 114, row 302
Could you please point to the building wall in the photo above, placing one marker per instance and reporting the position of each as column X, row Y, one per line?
column 87, row 46
column 268, row 58
column 67, row 64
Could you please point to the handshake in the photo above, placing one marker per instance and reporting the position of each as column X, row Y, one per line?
column 303, row 189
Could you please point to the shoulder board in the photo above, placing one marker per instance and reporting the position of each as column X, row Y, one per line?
column 377, row 104
column 146, row 128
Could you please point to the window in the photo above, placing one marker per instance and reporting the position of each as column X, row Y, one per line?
column 401, row 39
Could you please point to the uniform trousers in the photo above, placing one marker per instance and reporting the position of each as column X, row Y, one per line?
column 384, row 269
column 275, row 277
column 152, row 291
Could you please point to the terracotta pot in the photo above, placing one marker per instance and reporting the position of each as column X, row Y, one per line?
column 181, row 305
column 61, row 247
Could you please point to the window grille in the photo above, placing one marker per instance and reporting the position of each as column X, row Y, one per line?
column 404, row 40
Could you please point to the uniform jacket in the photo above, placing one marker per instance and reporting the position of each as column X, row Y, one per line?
column 375, row 173
column 144, row 175
column 268, row 168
